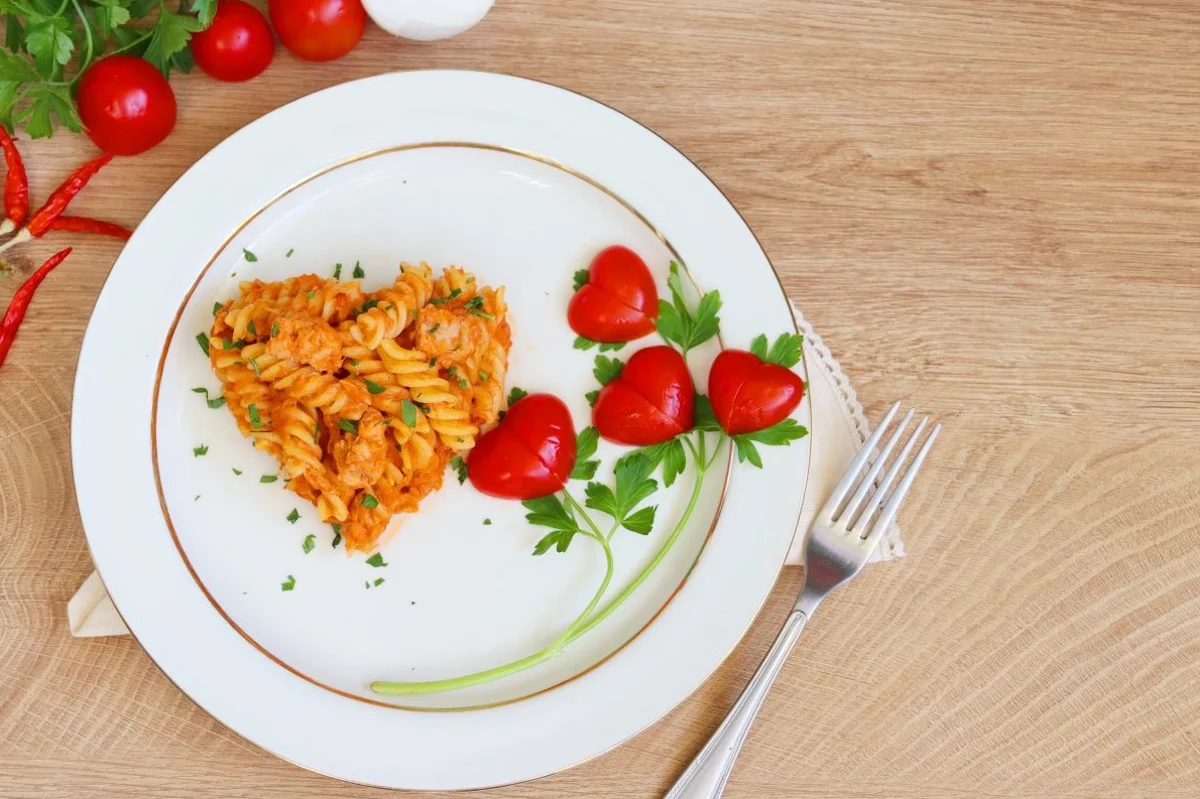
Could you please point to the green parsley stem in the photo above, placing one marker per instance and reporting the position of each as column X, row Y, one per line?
column 701, row 470
column 565, row 638
column 87, row 32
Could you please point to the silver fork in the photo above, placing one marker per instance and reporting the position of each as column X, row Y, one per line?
column 842, row 538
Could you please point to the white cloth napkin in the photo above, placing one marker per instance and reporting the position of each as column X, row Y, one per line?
column 839, row 429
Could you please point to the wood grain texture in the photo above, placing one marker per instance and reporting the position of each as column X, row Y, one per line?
column 990, row 208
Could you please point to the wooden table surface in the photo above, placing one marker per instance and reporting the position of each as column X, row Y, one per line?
column 990, row 209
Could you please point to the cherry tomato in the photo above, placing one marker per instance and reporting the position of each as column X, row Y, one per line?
column 749, row 394
column 530, row 454
column 652, row 401
column 318, row 30
column 126, row 104
column 618, row 302
column 238, row 45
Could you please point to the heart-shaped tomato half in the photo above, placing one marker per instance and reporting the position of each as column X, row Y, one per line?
column 618, row 302
column 652, row 401
column 529, row 454
column 748, row 394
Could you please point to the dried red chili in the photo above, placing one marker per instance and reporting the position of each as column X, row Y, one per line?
column 82, row 224
column 62, row 196
column 20, row 302
column 16, row 185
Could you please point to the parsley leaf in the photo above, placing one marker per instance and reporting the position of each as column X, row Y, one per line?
column 358, row 272
column 515, row 395
column 585, row 447
column 677, row 324
column 607, row 369
column 366, row 306
column 459, row 466
column 611, row 346
column 550, row 512
column 369, row 502
column 249, row 256
column 288, row 254
column 484, row 376
column 268, row 478
column 200, row 450
column 274, row 330
column 581, row 278
column 171, row 35
column 633, row 485
column 373, row 388
column 376, row 560
column 294, row 516
column 290, row 584
column 337, row 272
column 592, row 396
column 256, row 422
column 202, row 340
column 204, row 10
column 378, row 581
column 703, row 417
column 310, row 543
column 487, row 522
column 408, row 412
column 447, row 298
column 217, row 308
column 237, row 472
column 212, row 403
column 674, row 461
column 348, row 426
column 337, row 534
column 582, row 343
column 251, row 329
column 781, row 434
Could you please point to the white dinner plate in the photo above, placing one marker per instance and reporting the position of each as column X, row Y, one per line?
column 521, row 183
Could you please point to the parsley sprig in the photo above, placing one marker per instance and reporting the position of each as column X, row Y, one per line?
column 681, row 326
column 44, row 41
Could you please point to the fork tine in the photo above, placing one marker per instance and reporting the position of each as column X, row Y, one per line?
column 889, row 511
column 881, row 490
column 868, row 482
column 851, row 477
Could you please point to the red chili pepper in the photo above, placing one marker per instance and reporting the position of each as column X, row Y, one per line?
column 20, row 302
column 63, row 195
column 16, row 185
column 82, row 224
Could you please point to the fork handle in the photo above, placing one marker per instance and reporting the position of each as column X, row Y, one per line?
column 705, row 778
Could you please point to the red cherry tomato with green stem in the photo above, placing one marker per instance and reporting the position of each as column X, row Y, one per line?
column 237, row 46
column 530, row 454
column 318, row 30
column 652, row 401
column 749, row 394
column 618, row 302
column 126, row 105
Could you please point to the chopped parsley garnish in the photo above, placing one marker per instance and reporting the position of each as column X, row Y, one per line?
column 460, row 466
column 290, row 584
column 366, row 306
column 268, row 478
column 354, row 361
column 232, row 345
column 373, row 388
column 358, row 273
column 254, row 365
column 217, row 308
column 462, row 383
column 470, row 280
column 316, row 434
column 256, row 421
column 484, row 376
column 486, row 522
column 348, row 426
column 274, row 330
column 212, row 403
column 250, row 328
column 251, row 257
column 311, row 294
column 337, row 272
column 378, row 582
column 200, row 450
column 238, row 472
column 408, row 413
column 202, row 340
column 337, row 534
column 447, row 298
column 288, row 254
column 310, row 543
column 475, row 306
column 294, row 516
column 369, row 502
column 376, row 560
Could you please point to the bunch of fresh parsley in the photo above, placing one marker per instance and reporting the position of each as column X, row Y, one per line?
column 49, row 44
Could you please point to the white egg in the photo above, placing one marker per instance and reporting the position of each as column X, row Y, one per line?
column 426, row 20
